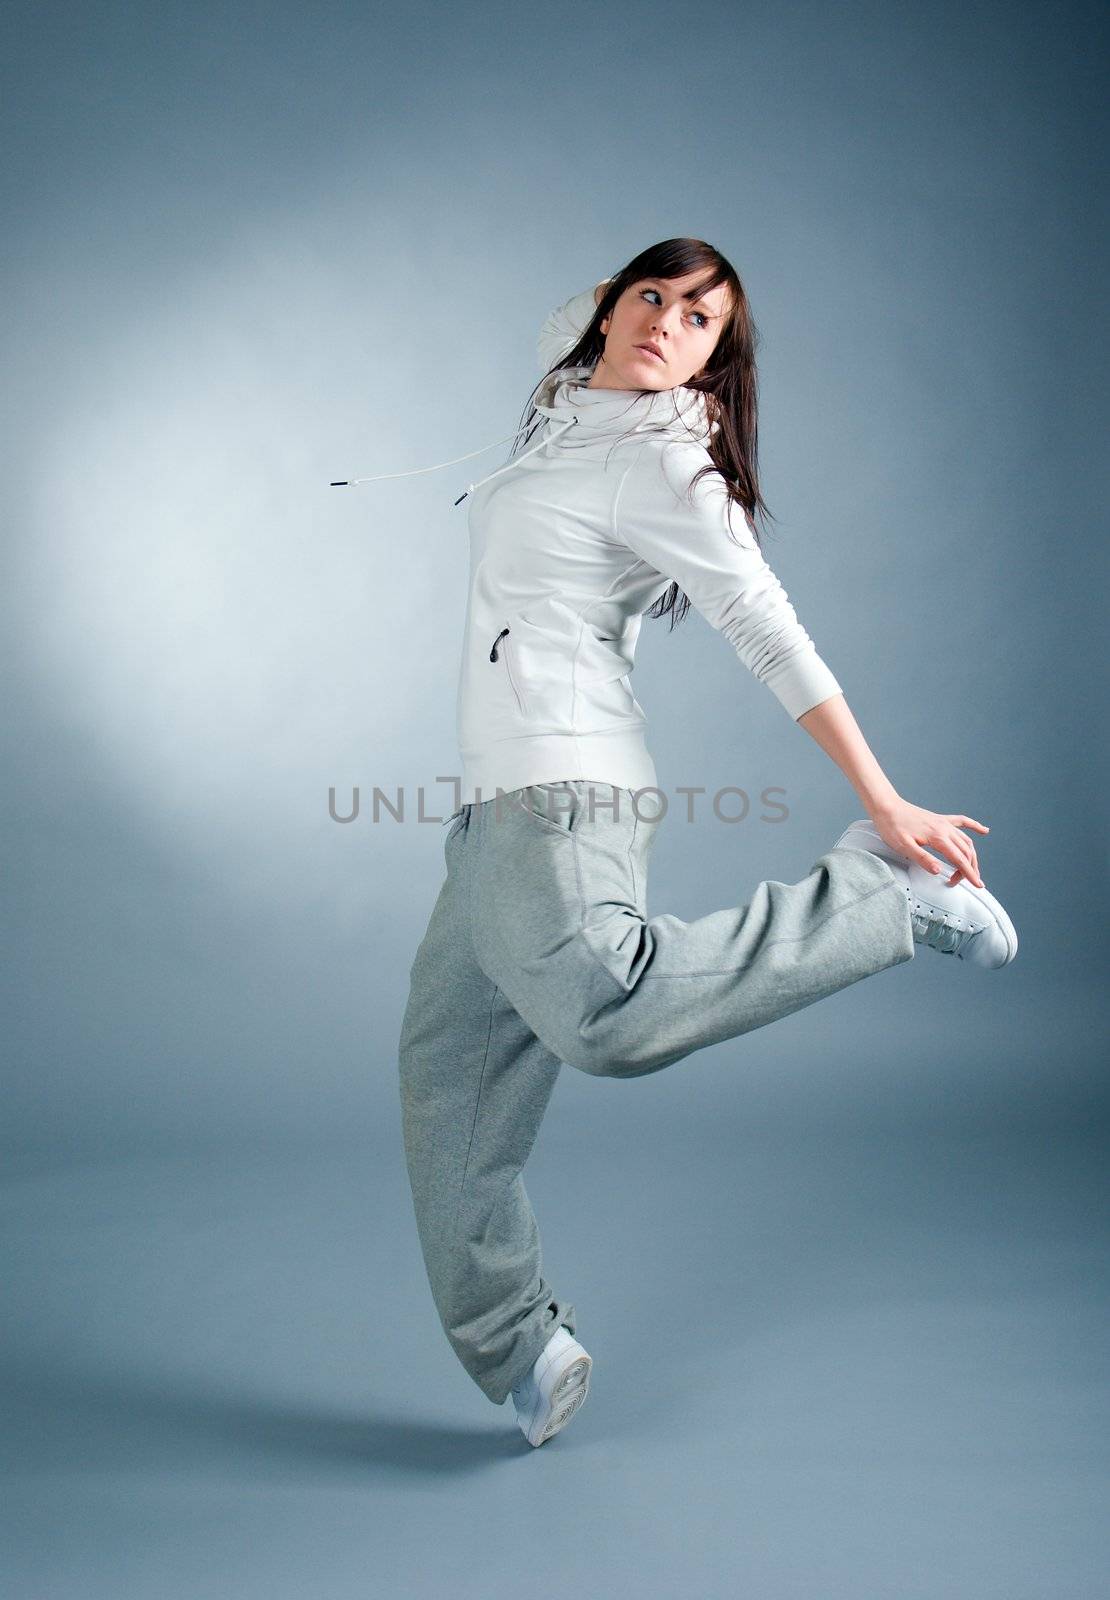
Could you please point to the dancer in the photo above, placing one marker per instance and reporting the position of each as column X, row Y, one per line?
column 634, row 491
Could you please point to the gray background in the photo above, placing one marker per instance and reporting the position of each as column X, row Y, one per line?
column 844, row 1280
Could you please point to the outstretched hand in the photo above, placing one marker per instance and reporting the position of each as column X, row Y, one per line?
column 908, row 829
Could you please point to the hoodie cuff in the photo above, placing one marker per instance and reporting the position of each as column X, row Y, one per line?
column 803, row 683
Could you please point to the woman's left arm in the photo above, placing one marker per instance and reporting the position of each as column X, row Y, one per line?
column 905, row 827
column 563, row 327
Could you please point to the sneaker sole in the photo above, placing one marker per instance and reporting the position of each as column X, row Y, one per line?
column 566, row 1397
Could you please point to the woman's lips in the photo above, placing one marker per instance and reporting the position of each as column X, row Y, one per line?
column 649, row 352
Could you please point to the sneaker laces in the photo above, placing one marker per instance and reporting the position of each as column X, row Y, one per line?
column 940, row 931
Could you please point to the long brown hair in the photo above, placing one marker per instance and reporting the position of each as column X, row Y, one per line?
column 729, row 382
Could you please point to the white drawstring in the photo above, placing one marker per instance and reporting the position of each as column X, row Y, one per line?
column 341, row 483
column 515, row 462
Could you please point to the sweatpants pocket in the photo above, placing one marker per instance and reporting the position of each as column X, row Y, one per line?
column 555, row 806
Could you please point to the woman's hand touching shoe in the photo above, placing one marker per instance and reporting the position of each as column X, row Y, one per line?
column 908, row 829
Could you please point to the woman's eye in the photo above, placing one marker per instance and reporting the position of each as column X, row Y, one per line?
column 704, row 323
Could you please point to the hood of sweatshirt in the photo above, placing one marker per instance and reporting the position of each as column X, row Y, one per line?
column 607, row 413
column 578, row 417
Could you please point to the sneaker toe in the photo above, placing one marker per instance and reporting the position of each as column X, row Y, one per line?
column 996, row 943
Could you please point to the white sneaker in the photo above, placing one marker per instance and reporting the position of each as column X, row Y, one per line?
column 554, row 1387
column 962, row 920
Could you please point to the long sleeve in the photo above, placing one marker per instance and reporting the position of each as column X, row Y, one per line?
column 564, row 326
column 709, row 550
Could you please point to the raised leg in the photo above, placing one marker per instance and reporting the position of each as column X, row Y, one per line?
column 560, row 925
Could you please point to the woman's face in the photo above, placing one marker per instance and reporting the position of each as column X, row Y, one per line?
column 653, row 311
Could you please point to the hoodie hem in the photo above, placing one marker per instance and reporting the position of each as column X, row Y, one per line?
column 620, row 759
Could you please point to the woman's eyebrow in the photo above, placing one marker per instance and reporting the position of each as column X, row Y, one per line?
column 700, row 301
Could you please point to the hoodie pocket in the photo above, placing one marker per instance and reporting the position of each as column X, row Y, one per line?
column 503, row 651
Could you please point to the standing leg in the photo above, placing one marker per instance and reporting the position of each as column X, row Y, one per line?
column 560, row 925
column 475, row 1083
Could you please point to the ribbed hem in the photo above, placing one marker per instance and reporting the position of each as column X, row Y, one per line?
column 620, row 758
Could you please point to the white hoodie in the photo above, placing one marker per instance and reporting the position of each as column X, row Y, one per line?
column 570, row 542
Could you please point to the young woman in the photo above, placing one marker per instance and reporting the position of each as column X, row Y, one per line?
column 634, row 491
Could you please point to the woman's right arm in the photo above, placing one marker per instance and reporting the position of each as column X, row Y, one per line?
column 564, row 326
column 696, row 535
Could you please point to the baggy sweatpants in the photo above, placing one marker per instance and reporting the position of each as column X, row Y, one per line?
column 539, row 951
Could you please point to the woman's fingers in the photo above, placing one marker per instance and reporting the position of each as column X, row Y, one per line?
column 959, row 859
column 962, row 852
column 970, row 873
column 956, row 873
column 964, row 847
column 971, row 852
column 956, row 865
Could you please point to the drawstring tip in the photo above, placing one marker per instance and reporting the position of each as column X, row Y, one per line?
column 339, row 483
column 463, row 496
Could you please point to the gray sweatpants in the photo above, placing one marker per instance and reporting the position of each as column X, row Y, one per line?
column 539, row 951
